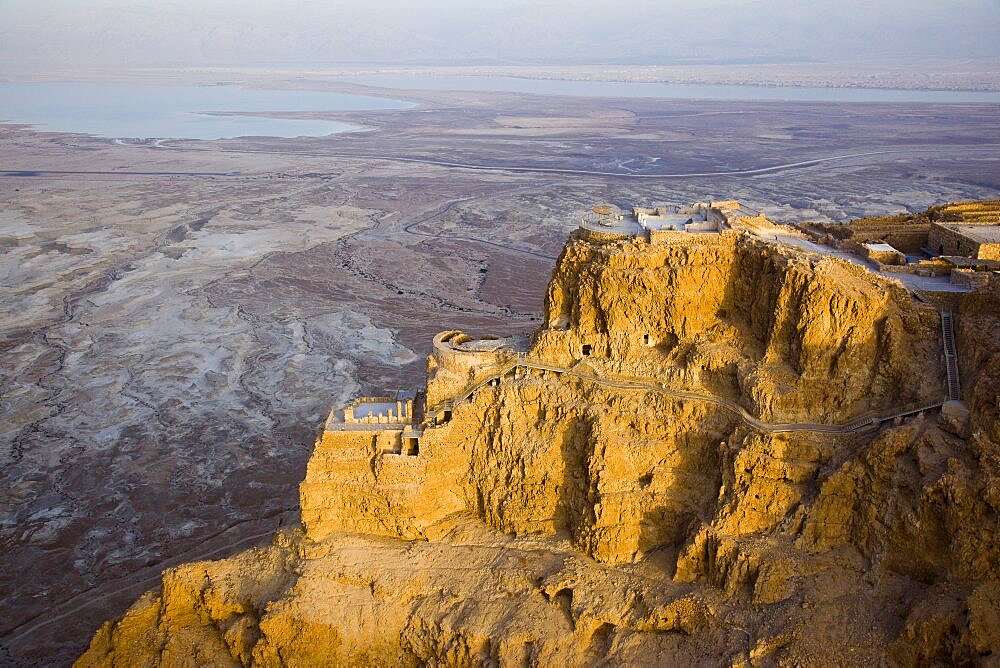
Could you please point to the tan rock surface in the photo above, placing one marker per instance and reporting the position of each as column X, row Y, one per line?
column 555, row 519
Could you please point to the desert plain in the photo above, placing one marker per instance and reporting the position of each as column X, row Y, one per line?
column 179, row 316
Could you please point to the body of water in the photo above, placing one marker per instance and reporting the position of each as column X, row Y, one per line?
column 148, row 111
column 145, row 111
column 662, row 90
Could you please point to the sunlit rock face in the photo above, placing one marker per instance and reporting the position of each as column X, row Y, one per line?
column 623, row 488
column 793, row 338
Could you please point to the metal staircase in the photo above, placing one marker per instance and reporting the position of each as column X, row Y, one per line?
column 950, row 358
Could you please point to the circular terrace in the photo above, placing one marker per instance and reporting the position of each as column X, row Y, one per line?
column 606, row 222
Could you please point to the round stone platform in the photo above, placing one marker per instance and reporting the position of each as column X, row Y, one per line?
column 610, row 228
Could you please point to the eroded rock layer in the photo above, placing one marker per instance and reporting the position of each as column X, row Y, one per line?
column 677, row 469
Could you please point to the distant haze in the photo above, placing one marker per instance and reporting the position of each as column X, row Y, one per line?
column 141, row 33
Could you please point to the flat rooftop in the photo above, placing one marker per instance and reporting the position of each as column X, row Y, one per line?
column 984, row 234
column 881, row 248
column 627, row 226
column 970, row 262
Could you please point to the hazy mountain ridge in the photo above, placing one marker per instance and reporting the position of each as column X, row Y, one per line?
column 178, row 33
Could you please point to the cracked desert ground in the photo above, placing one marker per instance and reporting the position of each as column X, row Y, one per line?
column 178, row 317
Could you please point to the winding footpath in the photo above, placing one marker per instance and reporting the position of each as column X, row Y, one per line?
column 864, row 423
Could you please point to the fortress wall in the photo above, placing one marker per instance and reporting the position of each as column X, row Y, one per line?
column 907, row 238
column 969, row 278
column 449, row 357
column 343, row 445
column 345, row 485
column 668, row 236
column 713, row 215
column 337, row 456
column 356, row 482
column 599, row 236
column 760, row 223
column 450, row 370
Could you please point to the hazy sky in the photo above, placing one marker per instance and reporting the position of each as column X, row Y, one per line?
column 330, row 32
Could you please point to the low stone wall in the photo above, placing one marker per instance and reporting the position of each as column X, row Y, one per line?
column 891, row 258
column 594, row 235
column 970, row 279
column 917, row 268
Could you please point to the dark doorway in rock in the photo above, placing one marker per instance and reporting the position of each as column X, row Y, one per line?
column 586, row 349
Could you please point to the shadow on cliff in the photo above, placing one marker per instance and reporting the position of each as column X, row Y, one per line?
column 574, row 505
column 750, row 298
column 830, row 343
column 647, row 508
column 678, row 510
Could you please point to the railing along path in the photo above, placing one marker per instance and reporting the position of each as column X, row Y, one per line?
column 950, row 357
column 863, row 423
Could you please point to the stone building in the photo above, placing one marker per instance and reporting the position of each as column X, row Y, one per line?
column 981, row 242
column 660, row 221
column 388, row 423
column 884, row 253
column 697, row 218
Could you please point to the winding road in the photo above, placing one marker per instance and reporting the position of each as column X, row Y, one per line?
column 534, row 169
column 516, row 169
column 440, row 212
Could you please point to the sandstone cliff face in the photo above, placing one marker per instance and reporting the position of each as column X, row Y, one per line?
column 554, row 518
column 618, row 473
column 792, row 338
